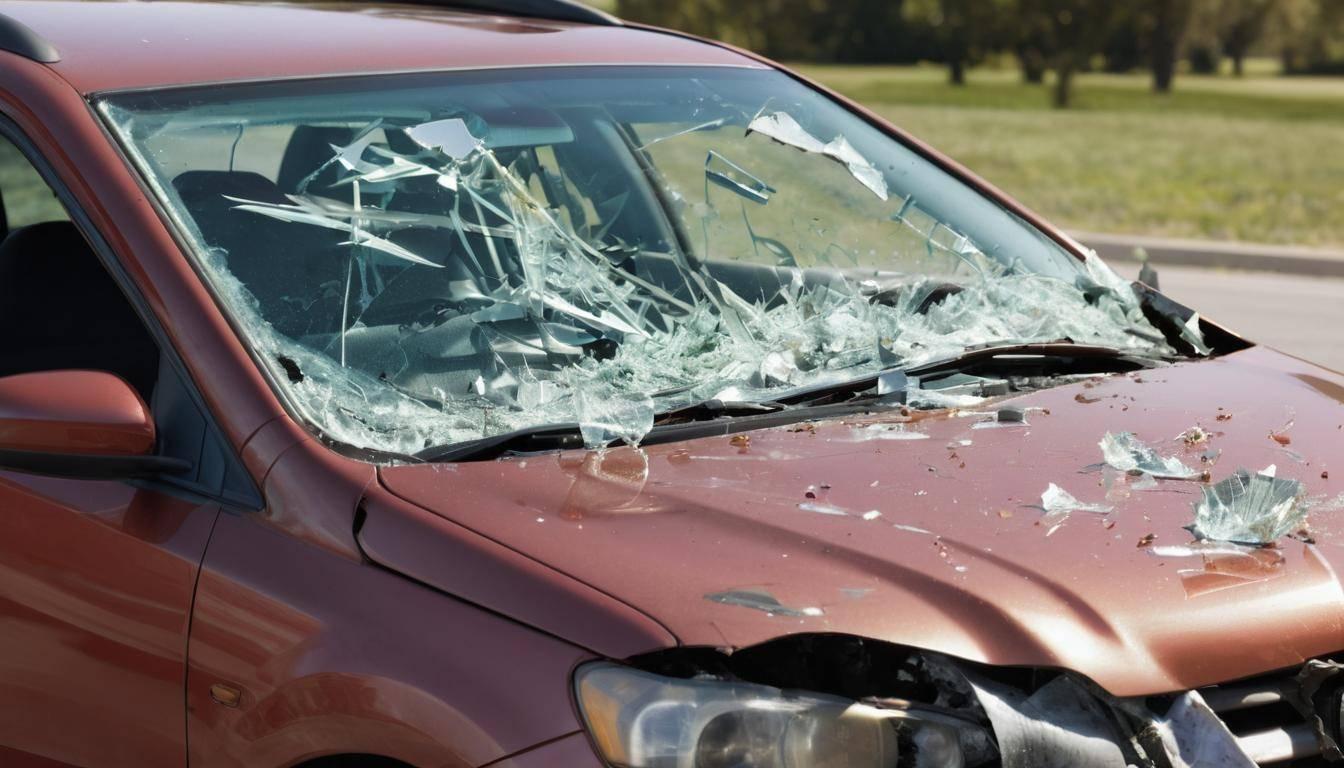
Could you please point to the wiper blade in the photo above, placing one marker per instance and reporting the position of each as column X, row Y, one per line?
column 721, row 417
column 563, row 436
column 548, row 437
column 714, row 408
column 1048, row 350
column 892, row 383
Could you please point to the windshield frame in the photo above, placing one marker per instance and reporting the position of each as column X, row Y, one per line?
column 100, row 102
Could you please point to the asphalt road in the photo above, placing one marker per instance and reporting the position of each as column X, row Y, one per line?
column 1300, row 315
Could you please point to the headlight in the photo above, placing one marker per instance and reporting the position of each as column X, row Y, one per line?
column 643, row 720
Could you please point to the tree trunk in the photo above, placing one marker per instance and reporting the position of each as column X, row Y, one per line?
column 1239, row 63
column 1063, row 86
column 956, row 71
column 1033, row 66
column 1172, row 17
column 1164, row 71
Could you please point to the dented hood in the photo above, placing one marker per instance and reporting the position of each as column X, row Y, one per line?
column 930, row 534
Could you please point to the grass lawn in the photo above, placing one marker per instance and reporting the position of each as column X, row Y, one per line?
column 1259, row 159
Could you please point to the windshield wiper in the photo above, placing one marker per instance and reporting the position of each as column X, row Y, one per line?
column 708, row 418
column 704, row 419
column 562, row 436
column 547, row 437
column 892, row 384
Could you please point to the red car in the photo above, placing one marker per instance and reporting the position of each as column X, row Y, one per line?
column 504, row 385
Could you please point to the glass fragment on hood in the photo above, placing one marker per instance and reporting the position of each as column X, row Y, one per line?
column 1125, row 452
column 606, row 415
column 1250, row 508
column 1192, row 334
column 1057, row 501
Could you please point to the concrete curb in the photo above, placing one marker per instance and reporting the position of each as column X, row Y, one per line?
column 1319, row 262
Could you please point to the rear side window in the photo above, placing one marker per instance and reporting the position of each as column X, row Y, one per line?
column 24, row 197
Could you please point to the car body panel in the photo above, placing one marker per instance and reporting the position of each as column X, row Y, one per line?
column 96, row 583
column 957, row 559
column 336, row 656
column 264, row 41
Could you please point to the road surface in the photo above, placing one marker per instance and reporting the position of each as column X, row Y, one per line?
column 1300, row 315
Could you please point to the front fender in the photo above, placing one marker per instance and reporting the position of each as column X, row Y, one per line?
column 331, row 655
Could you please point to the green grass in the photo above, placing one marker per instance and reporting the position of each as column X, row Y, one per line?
column 27, row 198
column 1258, row 159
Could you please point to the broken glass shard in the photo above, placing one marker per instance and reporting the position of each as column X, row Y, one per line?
column 734, row 178
column 1191, row 332
column 451, row 137
column 473, row 288
column 608, row 414
column 1125, row 452
column 706, row 126
column 783, row 128
column 1057, row 501
column 1250, row 508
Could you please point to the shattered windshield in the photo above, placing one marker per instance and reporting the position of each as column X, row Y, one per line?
column 422, row 260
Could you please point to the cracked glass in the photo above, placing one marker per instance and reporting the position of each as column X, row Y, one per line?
column 423, row 260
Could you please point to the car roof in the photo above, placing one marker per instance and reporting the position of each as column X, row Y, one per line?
column 126, row 44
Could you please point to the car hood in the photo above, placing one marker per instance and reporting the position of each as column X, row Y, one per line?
column 927, row 530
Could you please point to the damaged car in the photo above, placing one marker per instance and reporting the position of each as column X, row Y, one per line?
column 501, row 384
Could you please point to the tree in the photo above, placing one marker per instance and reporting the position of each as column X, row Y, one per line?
column 1167, row 23
column 964, row 31
column 844, row 30
column 1239, row 25
column 1309, row 35
column 1069, row 33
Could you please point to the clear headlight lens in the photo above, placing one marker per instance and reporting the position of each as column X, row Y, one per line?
column 642, row 720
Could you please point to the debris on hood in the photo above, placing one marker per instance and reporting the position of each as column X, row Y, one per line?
column 1248, row 508
column 1057, row 501
column 1125, row 452
column 607, row 414
column 1194, row 436
column 1191, row 333
column 1281, row 436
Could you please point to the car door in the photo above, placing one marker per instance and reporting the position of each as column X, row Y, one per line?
column 96, row 576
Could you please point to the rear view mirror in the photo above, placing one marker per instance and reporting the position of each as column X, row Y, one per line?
column 82, row 424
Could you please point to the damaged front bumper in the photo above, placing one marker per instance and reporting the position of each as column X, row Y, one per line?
column 830, row 700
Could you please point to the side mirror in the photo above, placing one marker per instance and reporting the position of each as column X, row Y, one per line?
column 81, row 424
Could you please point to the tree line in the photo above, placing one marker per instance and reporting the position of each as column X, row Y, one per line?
column 1062, row 37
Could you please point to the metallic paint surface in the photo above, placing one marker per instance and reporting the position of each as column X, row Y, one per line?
column 86, row 412
column 214, row 42
column 985, row 582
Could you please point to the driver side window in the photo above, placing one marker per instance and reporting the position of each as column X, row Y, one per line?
column 59, row 307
